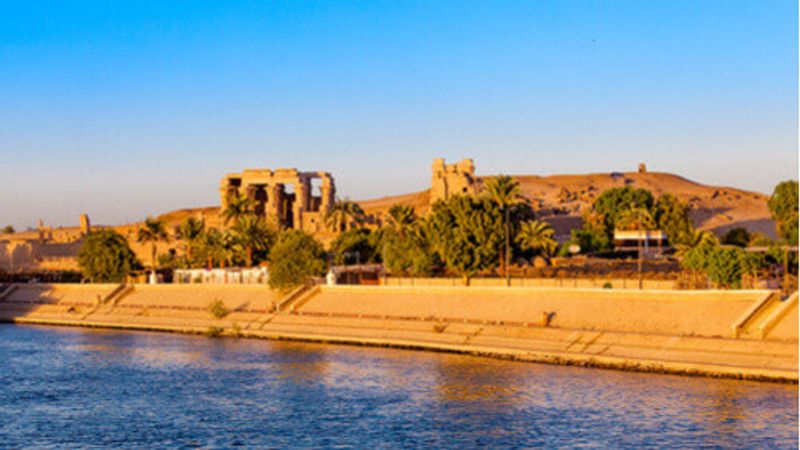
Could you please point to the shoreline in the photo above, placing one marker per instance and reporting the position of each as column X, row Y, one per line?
column 659, row 332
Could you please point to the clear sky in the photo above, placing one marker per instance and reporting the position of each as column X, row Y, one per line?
column 122, row 109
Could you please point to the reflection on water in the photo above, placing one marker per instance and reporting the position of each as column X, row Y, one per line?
column 79, row 387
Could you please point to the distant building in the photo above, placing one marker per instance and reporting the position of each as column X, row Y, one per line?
column 283, row 195
column 651, row 242
column 448, row 180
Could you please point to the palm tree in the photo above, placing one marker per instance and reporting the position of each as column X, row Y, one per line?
column 238, row 206
column 154, row 231
column 189, row 231
column 640, row 219
column 504, row 192
column 343, row 210
column 537, row 236
column 696, row 239
column 401, row 217
column 253, row 233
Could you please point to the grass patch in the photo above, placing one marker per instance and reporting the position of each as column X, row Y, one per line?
column 213, row 332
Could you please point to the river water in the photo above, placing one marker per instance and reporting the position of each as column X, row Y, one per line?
column 73, row 387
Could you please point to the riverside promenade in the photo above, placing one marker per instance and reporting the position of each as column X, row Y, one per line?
column 736, row 334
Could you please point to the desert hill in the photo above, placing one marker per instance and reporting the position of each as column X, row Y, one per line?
column 561, row 199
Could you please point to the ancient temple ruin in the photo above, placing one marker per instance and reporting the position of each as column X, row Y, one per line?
column 452, row 179
column 289, row 198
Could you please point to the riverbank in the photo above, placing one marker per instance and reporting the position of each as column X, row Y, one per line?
column 737, row 334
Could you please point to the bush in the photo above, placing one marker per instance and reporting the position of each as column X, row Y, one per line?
column 295, row 258
column 218, row 309
column 724, row 268
column 105, row 257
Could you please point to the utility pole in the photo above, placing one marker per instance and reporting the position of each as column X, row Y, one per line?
column 508, row 248
column 639, row 264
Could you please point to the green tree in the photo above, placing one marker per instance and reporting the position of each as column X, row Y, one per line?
column 254, row 235
column 189, row 231
column 725, row 267
column 466, row 232
column 357, row 245
column 504, row 192
column 238, row 207
column 408, row 253
column 635, row 218
column 612, row 203
column 153, row 232
column 737, row 236
column 672, row 216
column 342, row 212
column 783, row 206
column 8, row 229
column 537, row 236
column 295, row 257
column 105, row 257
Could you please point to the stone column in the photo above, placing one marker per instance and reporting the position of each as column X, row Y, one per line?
column 327, row 194
column 301, row 192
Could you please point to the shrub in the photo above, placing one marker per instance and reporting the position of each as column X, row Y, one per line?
column 218, row 309
column 295, row 258
column 213, row 332
column 725, row 268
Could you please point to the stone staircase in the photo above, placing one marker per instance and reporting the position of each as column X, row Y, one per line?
column 753, row 324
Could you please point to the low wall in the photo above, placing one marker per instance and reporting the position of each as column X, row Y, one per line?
column 668, row 331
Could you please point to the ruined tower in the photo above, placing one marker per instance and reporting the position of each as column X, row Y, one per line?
column 452, row 179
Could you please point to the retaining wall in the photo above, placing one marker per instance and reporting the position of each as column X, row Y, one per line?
column 667, row 331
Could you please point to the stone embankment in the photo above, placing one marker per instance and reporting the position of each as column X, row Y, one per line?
column 738, row 334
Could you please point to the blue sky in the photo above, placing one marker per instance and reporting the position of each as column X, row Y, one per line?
column 123, row 109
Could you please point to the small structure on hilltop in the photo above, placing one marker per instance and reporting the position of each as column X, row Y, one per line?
column 642, row 168
column 86, row 225
column 283, row 195
column 452, row 179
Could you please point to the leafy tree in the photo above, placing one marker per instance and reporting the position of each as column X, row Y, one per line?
column 466, row 233
column 238, row 207
column 737, row 236
column 783, row 206
column 612, row 203
column 342, row 212
column 105, row 257
column 635, row 218
column 295, row 257
column 189, row 231
column 672, row 216
column 253, row 234
column 361, row 242
column 504, row 192
column 725, row 267
column 409, row 253
column 8, row 229
column 153, row 232
column 537, row 236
